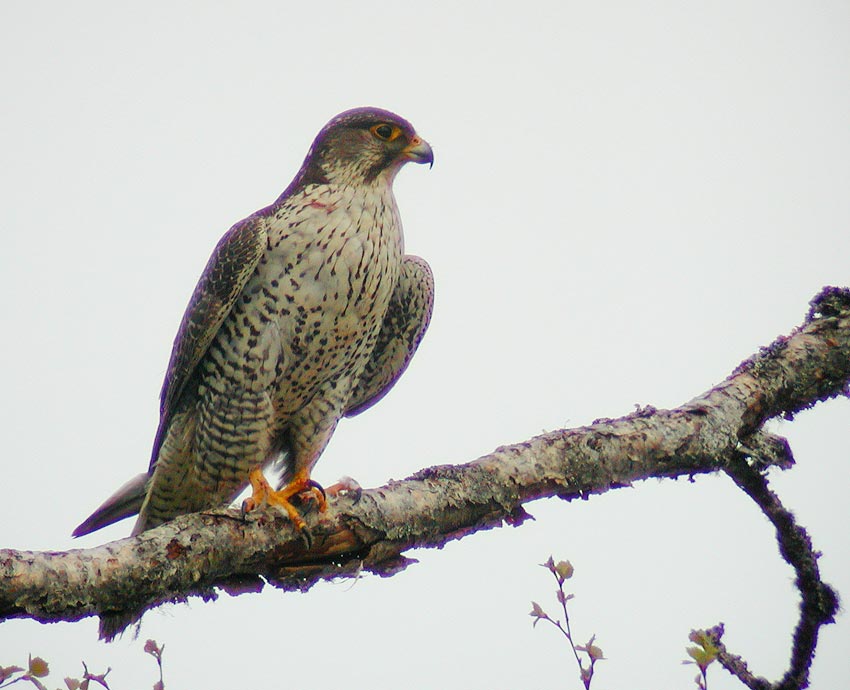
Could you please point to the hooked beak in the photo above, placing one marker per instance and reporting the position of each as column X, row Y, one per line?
column 418, row 151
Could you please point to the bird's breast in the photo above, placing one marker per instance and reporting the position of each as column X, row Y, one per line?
column 314, row 307
column 338, row 250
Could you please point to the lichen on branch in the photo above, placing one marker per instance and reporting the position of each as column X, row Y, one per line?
column 200, row 553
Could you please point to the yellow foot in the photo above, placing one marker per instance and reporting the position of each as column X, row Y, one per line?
column 300, row 484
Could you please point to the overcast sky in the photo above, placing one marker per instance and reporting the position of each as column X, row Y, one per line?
column 628, row 199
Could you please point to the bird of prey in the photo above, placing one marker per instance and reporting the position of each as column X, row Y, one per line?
column 308, row 311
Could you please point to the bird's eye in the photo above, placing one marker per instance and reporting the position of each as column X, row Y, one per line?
column 385, row 131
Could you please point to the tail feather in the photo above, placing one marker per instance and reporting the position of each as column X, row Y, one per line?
column 123, row 503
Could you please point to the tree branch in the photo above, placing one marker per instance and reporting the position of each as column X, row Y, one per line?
column 720, row 429
column 819, row 602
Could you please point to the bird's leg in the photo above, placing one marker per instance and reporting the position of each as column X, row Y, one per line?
column 260, row 490
column 301, row 484
column 309, row 431
column 263, row 493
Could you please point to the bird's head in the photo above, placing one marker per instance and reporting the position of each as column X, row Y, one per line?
column 363, row 145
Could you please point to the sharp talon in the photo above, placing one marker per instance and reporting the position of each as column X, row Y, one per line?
column 313, row 483
column 247, row 506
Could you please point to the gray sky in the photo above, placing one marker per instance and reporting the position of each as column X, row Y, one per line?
column 628, row 199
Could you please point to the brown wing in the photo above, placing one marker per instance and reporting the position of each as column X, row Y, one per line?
column 404, row 325
column 231, row 264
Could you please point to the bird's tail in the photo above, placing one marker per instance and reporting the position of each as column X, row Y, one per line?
column 123, row 503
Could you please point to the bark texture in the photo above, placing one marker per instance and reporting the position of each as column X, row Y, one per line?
column 195, row 554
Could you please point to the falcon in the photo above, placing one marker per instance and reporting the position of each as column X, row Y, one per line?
column 307, row 311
